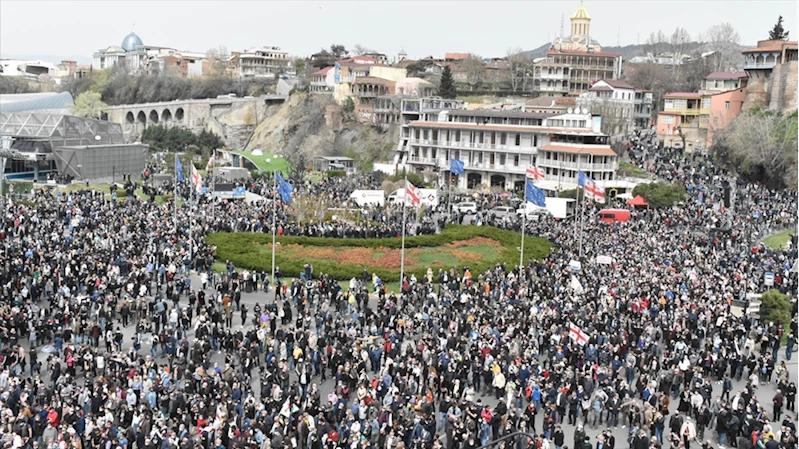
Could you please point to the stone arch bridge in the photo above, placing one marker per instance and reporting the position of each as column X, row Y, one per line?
column 231, row 118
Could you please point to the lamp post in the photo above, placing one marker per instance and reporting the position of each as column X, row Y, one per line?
column 5, row 155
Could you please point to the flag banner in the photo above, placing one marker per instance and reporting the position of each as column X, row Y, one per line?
column 591, row 190
column 456, row 166
column 179, row 168
column 535, row 173
column 577, row 334
column 534, row 195
column 211, row 162
column 284, row 188
column 412, row 194
column 576, row 286
column 196, row 179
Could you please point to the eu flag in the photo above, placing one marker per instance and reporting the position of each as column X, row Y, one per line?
column 179, row 168
column 284, row 188
column 456, row 166
column 534, row 195
column 581, row 179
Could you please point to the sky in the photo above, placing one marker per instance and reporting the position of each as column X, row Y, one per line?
column 75, row 29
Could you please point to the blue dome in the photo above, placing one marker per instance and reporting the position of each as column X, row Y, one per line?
column 131, row 41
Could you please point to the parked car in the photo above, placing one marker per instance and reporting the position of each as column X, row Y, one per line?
column 502, row 212
column 466, row 207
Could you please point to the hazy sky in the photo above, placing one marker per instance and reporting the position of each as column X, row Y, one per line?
column 488, row 28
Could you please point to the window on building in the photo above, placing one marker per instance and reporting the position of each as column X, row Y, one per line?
column 667, row 119
column 503, row 138
column 458, row 136
column 515, row 160
column 479, row 157
column 726, row 105
column 482, row 136
column 424, row 135
column 535, row 140
column 416, row 134
column 433, row 153
column 518, row 139
column 502, row 159
column 435, row 134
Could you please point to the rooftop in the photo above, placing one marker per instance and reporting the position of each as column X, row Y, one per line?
column 494, row 113
column 323, row 71
column 493, row 127
column 553, row 51
column 618, row 84
column 581, row 13
column 682, row 95
column 769, row 45
column 596, row 150
column 726, row 76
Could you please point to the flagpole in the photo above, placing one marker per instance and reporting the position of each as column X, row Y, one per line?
column 175, row 197
column 582, row 214
column 521, row 250
column 274, row 222
column 402, row 252
column 577, row 195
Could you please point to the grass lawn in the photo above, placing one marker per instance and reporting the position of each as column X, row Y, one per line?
column 478, row 247
column 779, row 240
column 630, row 169
column 275, row 162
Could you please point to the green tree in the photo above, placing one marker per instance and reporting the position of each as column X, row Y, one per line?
column 659, row 194
column 89, row 104
column 446, row 88
column 349, row 105
column 778, row 33
column 775, row 308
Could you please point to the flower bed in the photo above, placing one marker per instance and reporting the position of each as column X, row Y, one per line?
column 479, row 247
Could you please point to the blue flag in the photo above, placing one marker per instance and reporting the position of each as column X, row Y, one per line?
column 284, row 188
column 456, row 166
column 581, row 179
column 534, row 195
column 179, row 168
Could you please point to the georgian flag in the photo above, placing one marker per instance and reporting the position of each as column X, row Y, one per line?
column 196, row 179
column 592, row 191
column 535, row 173
column 412, row 194
column 577, row 334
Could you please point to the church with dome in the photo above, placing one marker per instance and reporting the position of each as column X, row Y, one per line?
column 138, row 58
column 579, row 38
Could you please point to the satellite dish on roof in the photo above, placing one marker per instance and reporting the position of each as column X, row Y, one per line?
column 570, row 110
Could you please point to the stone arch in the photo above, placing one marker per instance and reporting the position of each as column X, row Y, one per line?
column 129, row 118
column 179, row 114
column 166, row 116
column 473, row 180
column 104, row 116
column 153, row 116
column 498, row 181
column 141, row 117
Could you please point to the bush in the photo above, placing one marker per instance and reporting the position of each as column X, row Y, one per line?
column 413, row 178
column 253, row 250
column 572, row 193
column 336, row 174
column 775, row 308
column 659, row 194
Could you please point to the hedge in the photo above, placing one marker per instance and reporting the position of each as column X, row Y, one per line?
column 253, row 251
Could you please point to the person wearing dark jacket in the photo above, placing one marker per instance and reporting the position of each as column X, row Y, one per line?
column 558, row 437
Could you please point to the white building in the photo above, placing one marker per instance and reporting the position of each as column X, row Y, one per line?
column 259, row 62
column 498, row 146
column 27, row 69
column 623, row 108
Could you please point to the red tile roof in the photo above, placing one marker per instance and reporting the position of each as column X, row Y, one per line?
column 552, row 51
column 726, row 76
column 618, row 84
column 323, row 71
column 771, row 46
column 596, row 150
column 456, row 56
column 683, row 95
column 493, row 127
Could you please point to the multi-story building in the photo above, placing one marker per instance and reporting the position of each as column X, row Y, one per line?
column 259, row 62
column 684, row 115
column 723, row 81
column 387, row 107
column 575, row 62
column 772, row 75
column 322, row 81
column 497, row 147
column 623, row 108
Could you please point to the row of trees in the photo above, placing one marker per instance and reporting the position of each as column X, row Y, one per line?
column 761, row 147
column 118, row 86
column 175, row 139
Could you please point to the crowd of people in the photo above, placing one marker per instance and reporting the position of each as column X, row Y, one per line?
column 109, row 341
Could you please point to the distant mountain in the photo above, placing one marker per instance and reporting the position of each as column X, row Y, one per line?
column 55, row 59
